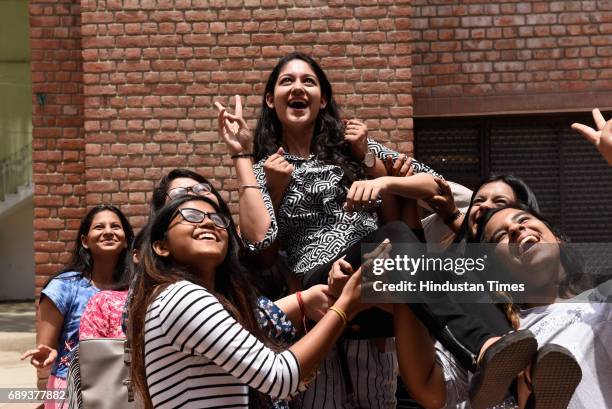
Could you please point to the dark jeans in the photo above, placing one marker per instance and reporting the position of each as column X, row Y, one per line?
column 461, row 328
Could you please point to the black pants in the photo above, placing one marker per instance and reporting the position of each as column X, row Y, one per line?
column 461, row 328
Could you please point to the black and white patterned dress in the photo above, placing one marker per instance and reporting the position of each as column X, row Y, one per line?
column 313, row 229
column 311, row 224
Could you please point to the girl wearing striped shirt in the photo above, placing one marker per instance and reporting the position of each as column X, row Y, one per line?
column 196, row 341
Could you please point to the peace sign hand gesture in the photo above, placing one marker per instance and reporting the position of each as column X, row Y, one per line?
column 234, row 129
column 601, row 138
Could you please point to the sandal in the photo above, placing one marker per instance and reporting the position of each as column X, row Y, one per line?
column 499, row 366
column 554, row 378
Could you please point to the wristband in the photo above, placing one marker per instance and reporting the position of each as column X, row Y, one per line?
column 242, row 187
column 300, row 301
column 242, row 155
column 340, row 313
column 452, row 217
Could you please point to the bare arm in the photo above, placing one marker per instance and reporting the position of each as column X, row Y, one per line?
column 47, row 335
column 416, row 357
column 316, row 299
column 254, row 217
column 316, row 344
column 364, row 192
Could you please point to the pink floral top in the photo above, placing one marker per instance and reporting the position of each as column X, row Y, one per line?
column 102, row 316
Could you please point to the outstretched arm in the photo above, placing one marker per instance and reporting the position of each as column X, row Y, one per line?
column 254, row 217
column 601, row 138
column 365, row 192
column 47, row 335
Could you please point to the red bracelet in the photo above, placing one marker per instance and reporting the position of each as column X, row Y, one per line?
column 300, row 301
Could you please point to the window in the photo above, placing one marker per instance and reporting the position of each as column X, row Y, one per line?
column 572, row 182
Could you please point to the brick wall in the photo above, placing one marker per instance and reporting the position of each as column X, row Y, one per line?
column 478, row 56
column 58, row 145
column 151, row 71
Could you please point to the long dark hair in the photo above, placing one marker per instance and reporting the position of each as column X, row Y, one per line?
column 522, row 192
column 575, row 281
column 82, row 261
column 159, row 193
column 328, row 144
column 232, row 286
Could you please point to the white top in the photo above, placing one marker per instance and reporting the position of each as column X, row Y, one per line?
column 198, row 356
column 585, row 329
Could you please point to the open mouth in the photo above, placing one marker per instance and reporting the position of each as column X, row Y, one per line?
column 206, row 235
column 298, row 104
column 527, row 243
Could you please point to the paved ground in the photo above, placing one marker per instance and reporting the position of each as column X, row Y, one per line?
column 17, row 333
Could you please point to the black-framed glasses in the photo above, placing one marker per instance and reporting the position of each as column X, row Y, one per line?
column 197, row 216
column 198, row 190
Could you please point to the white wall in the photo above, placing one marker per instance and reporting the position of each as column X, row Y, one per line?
column 17, row 252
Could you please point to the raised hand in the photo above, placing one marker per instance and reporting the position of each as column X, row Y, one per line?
column 356, row 133
column 443, row 203
column 233, row 129
column 401, row 167
column 338, row 276
column 41, row 357
column 601, row 138
column 278, row 175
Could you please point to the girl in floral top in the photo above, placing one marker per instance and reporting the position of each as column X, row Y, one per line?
column 97, row 263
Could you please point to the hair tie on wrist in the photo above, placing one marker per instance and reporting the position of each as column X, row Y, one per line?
column 452, row 217
column 242, row 155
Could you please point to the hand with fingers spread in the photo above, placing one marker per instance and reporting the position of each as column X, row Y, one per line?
column 338, row 276
column 356, row 133
column 443, row 203
column 601, row 138
column 234, row 130
column 401, row 167
column 278, row 175
column 41, row 356
column 317, row 299
column 364, row 194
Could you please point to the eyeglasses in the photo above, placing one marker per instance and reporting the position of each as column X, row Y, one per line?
column 197, row 216
column 199, row 190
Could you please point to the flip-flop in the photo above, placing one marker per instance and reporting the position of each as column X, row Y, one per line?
column 499, row 366
column 554, row 378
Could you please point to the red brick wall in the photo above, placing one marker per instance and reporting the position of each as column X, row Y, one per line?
column 499, row 56
column 151, row 71
column 58, row 145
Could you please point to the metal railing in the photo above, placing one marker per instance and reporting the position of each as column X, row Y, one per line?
column 15, row 170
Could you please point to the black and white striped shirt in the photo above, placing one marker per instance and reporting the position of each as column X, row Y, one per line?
column 197, row 355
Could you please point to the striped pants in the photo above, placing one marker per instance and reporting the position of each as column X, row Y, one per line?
column 373, row 375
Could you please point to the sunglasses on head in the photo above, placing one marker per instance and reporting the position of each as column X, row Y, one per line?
column 197, row 216
column 198, row 189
